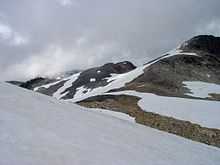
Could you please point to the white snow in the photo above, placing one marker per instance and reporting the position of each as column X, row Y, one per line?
column 69, row 80
column 177, row 51
column 46, row 86
column 92, row 79
column 202, row 89
column 98, row 71
column 36, row 129
column 58, row 78
column 115, row 114
column 202, row 112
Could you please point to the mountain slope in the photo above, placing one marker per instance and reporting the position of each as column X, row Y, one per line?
column 195, row 60
column 36, row 129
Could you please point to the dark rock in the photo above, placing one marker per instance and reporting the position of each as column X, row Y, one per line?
column 17, row 83
column 31, row 84
column 205, row 43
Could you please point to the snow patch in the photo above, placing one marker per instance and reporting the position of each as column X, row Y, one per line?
column 201, row 89
column 92, row 79
column 47, row 85
column 178, row 52
column 58, row 78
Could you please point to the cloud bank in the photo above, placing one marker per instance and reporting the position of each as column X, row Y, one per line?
column 45, row 37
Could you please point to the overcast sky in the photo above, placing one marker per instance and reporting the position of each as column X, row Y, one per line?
column 43, row 37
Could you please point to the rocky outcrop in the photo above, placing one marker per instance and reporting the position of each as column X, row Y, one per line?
column 31, row 84
column 205, row 43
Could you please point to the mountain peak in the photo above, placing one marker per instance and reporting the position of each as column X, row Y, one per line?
column 120, row 67
column 207, row 43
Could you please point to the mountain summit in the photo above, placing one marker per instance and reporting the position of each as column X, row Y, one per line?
column 206, row 43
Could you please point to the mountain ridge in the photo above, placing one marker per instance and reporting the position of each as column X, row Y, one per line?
column 191, row 61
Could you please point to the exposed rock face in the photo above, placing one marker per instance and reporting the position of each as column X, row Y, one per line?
column 206, row 43
column 31, row 84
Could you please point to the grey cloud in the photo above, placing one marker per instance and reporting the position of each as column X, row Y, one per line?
column 77, row 34
column 212, row 27
column 8, row 35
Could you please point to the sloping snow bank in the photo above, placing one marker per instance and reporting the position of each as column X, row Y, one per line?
column 119, row 115
column 202, row 89
column 36, row 129
column 202, row 112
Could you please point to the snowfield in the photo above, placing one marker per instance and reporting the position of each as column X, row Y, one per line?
column 202, row 89
column 202, row 112
column 36, row 129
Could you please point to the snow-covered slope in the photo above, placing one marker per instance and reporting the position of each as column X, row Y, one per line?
column 202, row 112
column 36, row 129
